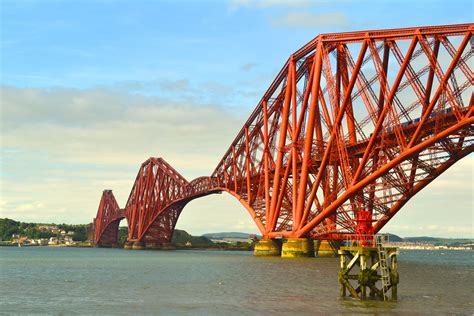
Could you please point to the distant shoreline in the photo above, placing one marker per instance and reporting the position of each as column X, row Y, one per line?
column 3, row 244
column 52, row 246
column 215, row 249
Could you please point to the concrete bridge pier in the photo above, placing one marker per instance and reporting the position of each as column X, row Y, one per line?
column 267, row 247
column 297, row 247
column 326, row 248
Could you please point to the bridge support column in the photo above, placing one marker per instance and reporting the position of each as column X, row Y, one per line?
column 360, row 268
column 297, row 247
column 325, row 248
column 267, row 247
column 128, row 245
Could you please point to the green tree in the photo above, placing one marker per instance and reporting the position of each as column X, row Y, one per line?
column 8, row 227
column 80, row 234
column 122, row 235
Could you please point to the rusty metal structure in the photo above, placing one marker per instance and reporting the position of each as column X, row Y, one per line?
column 106, row 224
column 352, row 127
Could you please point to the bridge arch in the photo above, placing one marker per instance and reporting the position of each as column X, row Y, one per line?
column 220, row 212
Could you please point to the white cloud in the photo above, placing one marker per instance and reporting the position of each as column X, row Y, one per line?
column 61, row 148
column 100, row 126
column 308, row 19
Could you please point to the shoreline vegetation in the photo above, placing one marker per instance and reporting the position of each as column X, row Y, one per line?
column 14, row 234
column 20, row 234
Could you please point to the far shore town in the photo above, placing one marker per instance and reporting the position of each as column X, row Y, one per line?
column 65, row 238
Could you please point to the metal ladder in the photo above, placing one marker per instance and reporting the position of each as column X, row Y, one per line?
column 384, row 272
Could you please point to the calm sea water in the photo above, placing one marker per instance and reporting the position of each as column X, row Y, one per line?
column 68, row 281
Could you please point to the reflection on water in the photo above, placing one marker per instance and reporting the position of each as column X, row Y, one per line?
column 116, row 281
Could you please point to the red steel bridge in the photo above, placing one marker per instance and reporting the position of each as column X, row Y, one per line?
column 352, row 127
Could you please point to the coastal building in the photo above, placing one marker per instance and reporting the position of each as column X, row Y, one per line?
column 42, row 242
column 68, row 240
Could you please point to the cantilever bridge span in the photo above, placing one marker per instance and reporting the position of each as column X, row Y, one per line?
column 352, row 127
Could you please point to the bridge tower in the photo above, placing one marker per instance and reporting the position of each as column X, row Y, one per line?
column 106, row 223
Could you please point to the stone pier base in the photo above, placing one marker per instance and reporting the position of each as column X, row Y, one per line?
column 159, row 246
column 297, row 247
column 138, row 245
column 324, row 248
column 105, row 245
column 152, row 246
column 128, row 245
column 267, row 247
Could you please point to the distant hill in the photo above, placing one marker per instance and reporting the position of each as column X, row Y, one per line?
column 181, row 237
column 227, row 235
column 437, row 241
column 440, row 241
column 421, row 239
column 394, row 238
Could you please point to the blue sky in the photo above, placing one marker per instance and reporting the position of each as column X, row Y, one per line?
column 85, row 44
column 90, row 89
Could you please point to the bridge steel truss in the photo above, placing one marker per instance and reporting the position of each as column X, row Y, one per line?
column 352, row 127
column 106, row 224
